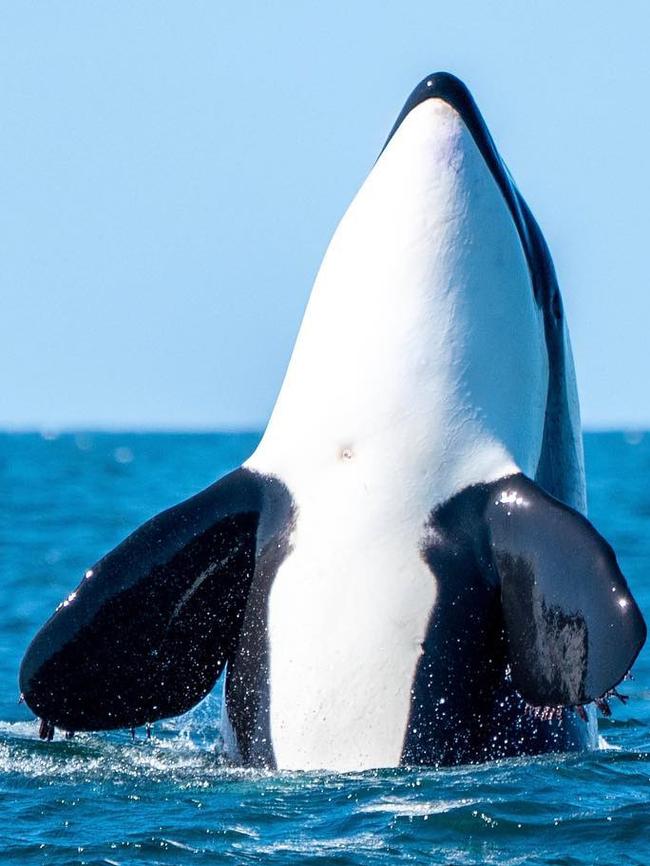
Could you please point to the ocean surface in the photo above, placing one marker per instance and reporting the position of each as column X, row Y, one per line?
column 105, row 799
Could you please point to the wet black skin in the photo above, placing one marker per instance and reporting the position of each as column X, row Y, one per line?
column 528, row 610
column 149, row 630
column 532, row 612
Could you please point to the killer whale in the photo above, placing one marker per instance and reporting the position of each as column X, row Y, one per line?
column 402, row 572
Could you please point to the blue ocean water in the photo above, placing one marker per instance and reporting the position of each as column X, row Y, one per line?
column 104, row 799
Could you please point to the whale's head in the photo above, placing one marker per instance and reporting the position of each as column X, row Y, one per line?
column 430, row 312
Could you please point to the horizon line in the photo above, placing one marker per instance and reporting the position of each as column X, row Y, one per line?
column 53, row 431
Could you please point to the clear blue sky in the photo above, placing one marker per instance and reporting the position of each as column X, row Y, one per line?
column 171, row 173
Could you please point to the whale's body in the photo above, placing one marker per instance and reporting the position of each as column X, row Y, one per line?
column 401, row 572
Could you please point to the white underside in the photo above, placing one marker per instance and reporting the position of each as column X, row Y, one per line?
column 420, row 369
column 347, row 614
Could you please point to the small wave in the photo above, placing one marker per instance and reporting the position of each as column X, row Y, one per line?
column 360, row 842
column 21, row 730
column 414, row 808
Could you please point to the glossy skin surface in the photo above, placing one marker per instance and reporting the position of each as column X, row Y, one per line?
column 149, row 629
column 383, row 578
column 534, row 612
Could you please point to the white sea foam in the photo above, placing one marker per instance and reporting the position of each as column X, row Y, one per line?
column 311, row 846
column 603, row 744
column 416, row 808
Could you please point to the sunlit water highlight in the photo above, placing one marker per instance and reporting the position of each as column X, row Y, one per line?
column 105, row 799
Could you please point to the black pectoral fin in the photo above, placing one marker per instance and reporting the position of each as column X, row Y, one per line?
column 572, row 626
column 148, row 630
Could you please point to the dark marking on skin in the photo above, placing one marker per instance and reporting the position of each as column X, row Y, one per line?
column 538, row 540
column 560, row 644
column 463, row 653
column 560, row 465
column 527, row 616
column 247, row 676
